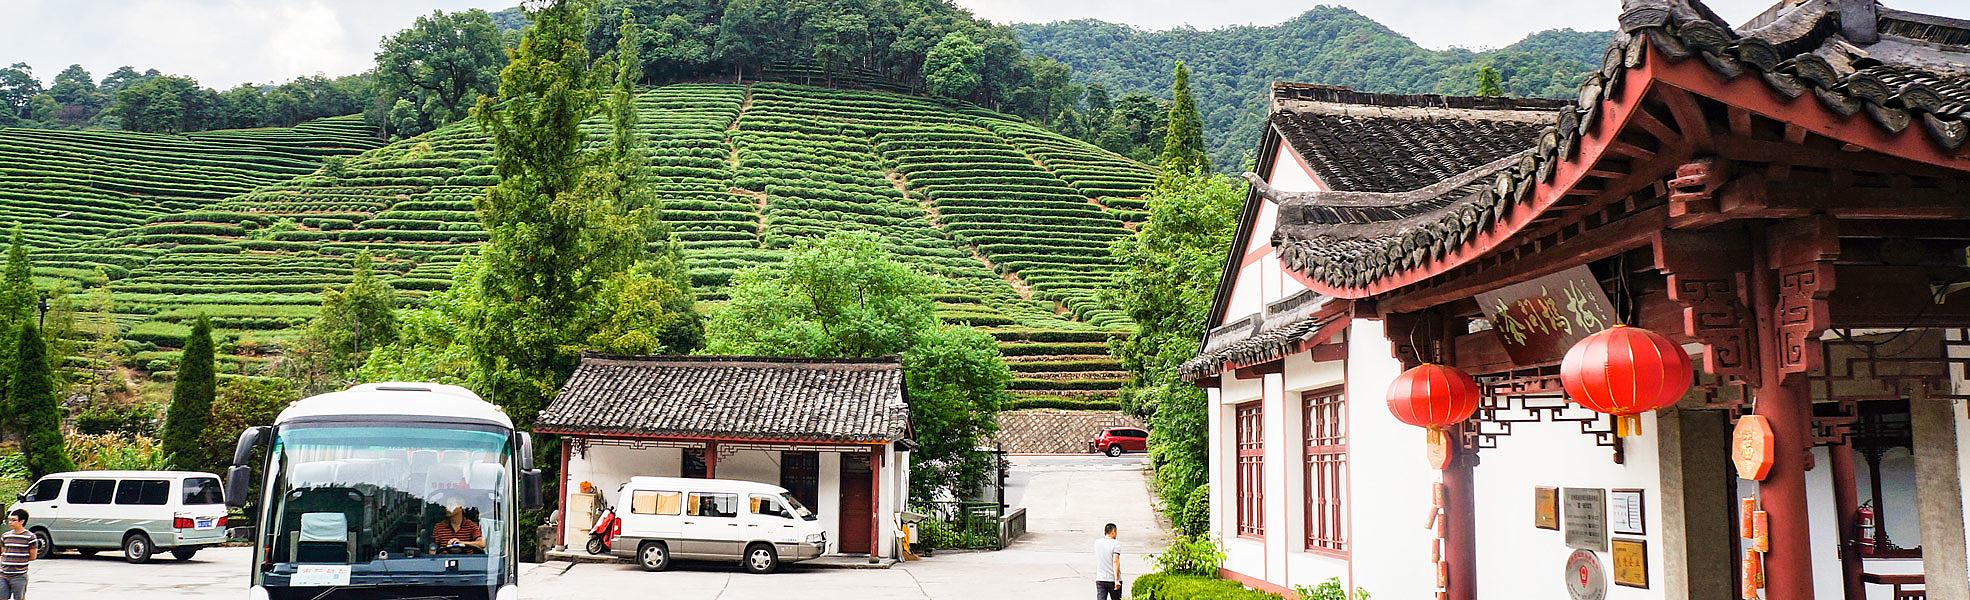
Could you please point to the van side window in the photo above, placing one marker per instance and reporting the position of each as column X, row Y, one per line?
column 766, row 505
column 91, row 491
column 712, row 505
column 646, row 502
column 149, row 492
column 47, row 490
column 203, row 490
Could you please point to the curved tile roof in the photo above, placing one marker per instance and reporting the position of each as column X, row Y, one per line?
column 751, row 397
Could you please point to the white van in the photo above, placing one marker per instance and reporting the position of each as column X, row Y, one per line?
column 757, row 524
column 140, row 512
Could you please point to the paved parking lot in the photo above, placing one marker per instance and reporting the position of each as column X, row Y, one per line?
column 1067, row 499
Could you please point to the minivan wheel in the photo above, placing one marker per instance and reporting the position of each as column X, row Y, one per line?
column 47, row 544
column 137, row 548
column 761, row 558
column 1114, row 449
column 183, row 553
column 654, row 556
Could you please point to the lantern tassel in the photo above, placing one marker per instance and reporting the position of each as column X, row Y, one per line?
column 1627, row 426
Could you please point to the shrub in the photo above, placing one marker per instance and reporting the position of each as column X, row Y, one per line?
column 115, row 452
column 1147, row 586
column 1187, row 587
column 13, row 465
column 1191, row 555
column 1329, row 590
column 138, row 419
column 1195, row 515
column 1055, row 402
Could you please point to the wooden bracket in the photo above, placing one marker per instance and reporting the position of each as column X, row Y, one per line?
column 1708, row 276
column 1803, row 251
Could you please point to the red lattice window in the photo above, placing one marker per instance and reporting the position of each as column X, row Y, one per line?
column 1251, row 470
column 1325, row 424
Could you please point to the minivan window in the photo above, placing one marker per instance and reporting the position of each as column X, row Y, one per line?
column 712, row 505
column 47, row 490
column 91, row 491
column 1134, row 433
column 146, row 492
column 203, row 490
column 646, row 502
column 764, row 505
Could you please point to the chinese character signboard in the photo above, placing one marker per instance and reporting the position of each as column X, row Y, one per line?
column 1585, row 518
column 1539, row 320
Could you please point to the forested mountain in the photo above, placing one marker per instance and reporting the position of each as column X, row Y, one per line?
column 1231, row 68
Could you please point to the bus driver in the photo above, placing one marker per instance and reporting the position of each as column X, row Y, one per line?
column 455, row 534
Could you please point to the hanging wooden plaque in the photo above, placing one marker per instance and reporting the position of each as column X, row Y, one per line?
column 1539, row 320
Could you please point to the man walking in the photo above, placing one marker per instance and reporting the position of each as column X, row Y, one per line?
column 1108, row 565
column 17, row 548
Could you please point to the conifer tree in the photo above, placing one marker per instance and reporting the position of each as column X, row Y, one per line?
column 17, row 301
column 556, row 236
column 31, row 398
column 1183, row 146
column 191, row 401
column 1488, row 82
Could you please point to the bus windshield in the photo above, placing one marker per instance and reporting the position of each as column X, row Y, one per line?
column 388, row 505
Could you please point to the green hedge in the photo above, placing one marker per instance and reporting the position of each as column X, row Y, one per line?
column 1054, row 402
column 1163, row 586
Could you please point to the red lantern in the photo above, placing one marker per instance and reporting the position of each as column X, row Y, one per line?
column 1434, row 397
column 1626, row 371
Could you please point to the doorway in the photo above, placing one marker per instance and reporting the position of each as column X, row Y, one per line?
column 856, row 495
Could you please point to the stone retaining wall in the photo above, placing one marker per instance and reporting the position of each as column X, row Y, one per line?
column 1054, row 431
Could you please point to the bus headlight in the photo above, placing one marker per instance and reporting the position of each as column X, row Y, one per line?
column 817, row 538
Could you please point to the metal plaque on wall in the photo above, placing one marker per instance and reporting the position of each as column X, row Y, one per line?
column 1539, row 320
column 1585, row 579
column 1585, row 518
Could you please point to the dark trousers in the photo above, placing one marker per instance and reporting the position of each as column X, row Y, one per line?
column 1108, row 590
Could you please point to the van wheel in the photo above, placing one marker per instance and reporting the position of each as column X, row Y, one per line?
column 183, row 553
column 654, row 556
column 47, row 544
column 761, row 558
column 1114, row 449
column 137, row 548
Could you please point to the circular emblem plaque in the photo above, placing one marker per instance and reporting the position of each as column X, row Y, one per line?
column 1584, row 578
column 1751, row 447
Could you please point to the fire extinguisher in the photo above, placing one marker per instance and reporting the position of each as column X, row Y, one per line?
column 1864, row 524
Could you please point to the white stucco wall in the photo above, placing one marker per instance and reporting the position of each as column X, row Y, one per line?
column 1390, row 477
column 1517, row 560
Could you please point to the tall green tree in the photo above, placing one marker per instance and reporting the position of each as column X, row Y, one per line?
column 167, row 104
column 442, row 64
column 951, row 68
column 1171, row 267
column 1488, row 83
column 18, row 88
column 31, row 400
column 1183, row 145
column 354, row 319
column 555, row 236
column 191, row 401
column 845, row 296
column 77, row 94
column 17, row 302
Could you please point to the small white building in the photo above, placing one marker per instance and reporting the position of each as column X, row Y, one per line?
column 833, row 432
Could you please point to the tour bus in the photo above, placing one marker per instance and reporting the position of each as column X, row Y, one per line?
column 355, row 484
column 758, row 524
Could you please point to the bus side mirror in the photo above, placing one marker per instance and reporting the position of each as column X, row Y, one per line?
column 248, row 440
column 238, row 479
column 530, row 489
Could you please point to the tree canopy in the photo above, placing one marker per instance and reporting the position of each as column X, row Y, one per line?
column 440, row 67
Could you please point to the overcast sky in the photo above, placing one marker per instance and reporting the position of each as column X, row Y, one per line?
column 227, row 42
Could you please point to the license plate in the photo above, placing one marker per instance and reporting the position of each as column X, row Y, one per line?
column 205, row 522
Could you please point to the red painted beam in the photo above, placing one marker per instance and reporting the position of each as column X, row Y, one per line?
column 709, row 438
column 561, row 527
column 875, row 504
column 711, row 460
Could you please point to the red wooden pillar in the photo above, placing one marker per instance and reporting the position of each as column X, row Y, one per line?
column 711, row 460
column 1460, row 526
column 561, row 527
column 1845, row 502
column 875, row 503
column 1791, row 280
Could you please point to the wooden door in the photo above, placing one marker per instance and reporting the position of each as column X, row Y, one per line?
column 856, row 493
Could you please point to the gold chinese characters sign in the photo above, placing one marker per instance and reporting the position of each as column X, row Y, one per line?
column 1630, row 560
column 1537, row 321
column 1546, row 507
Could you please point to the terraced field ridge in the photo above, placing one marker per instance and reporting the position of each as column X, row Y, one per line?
column 1015, row 219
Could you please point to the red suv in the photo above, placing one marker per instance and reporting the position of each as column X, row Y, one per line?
column 1113, row 441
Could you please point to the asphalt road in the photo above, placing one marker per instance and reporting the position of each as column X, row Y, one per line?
column 1067, row 498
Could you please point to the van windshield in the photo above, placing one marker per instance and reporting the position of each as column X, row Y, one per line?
column 799, row 510
column 382, row 504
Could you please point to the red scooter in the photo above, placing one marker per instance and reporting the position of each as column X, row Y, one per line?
column 605, row 531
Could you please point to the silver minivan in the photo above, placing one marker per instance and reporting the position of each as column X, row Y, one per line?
column 138, row 512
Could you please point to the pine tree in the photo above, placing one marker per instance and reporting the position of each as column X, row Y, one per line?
column 1183, row 146
column 556, row 236
column 17, row 300
column 31, row 398
column 191, row 401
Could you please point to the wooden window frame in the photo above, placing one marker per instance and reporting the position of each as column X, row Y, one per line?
column 1249, row 432
column 1324, row 467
